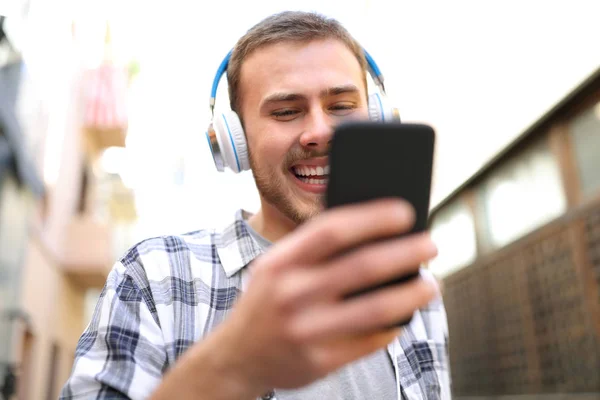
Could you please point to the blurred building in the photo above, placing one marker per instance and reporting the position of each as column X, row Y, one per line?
column 64, row 218
column 520, row 259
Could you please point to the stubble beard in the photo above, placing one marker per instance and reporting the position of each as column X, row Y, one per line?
column 275, row 188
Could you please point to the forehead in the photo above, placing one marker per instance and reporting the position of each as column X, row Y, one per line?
column 301, row 67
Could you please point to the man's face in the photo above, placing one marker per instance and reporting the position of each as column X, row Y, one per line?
column 292, row 96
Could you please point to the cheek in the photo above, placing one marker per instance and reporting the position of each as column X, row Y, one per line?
column 361, row 114
column 271, row 148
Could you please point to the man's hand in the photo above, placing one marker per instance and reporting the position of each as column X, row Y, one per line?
column 295, row 324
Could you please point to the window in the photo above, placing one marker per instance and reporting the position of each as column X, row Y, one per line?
column 83, row 190
column 522, row 195
column 585, row 135
column 53, row 373
column 453, row 231
column 26, row 368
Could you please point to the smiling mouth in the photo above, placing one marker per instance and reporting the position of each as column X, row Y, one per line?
column 312, row 175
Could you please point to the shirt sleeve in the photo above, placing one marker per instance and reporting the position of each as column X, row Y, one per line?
column 121, row 354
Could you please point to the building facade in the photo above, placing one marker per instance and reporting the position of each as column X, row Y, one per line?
column 520, row 261
column 63, row 221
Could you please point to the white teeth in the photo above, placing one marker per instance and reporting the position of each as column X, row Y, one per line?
column 311, row 181
column 311, row 171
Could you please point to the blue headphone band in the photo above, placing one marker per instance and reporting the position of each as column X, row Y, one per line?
column 373, row 68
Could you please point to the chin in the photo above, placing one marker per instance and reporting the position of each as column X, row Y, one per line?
column 289, row 198
column 306, row 211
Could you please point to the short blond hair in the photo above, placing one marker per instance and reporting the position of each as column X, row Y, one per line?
column 292, row 26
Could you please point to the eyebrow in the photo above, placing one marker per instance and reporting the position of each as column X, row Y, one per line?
column 332, row 91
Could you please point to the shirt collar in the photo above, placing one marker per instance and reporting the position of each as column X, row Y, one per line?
column 235, row 246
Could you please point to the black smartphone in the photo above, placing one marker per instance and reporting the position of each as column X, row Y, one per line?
column 370, row 160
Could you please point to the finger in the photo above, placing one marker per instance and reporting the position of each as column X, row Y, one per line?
column 376, row 264
column 342, row 228
column 365, row 313
column 332, row 354
column 360, row 269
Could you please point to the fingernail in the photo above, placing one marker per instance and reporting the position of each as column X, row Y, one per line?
column 405, row 210
column 433, row 246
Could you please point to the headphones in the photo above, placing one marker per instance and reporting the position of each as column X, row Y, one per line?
column 226, row 136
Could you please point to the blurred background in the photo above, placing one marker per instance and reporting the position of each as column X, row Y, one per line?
column 103, row 108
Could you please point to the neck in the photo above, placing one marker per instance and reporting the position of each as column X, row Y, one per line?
column 270, row 223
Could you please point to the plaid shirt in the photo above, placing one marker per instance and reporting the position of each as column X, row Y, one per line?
column 167, row 293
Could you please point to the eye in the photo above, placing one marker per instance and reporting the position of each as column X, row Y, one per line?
column 286, row 114
column 342, row 108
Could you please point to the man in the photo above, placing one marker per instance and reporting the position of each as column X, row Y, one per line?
column 214, row 315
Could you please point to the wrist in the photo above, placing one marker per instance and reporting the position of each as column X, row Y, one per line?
column 209, row 370
column 234, row 371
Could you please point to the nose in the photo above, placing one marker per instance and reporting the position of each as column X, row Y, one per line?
column 318, row 132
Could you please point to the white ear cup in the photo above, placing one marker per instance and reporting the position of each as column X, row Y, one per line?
column 232, row 142
column 380, row 110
